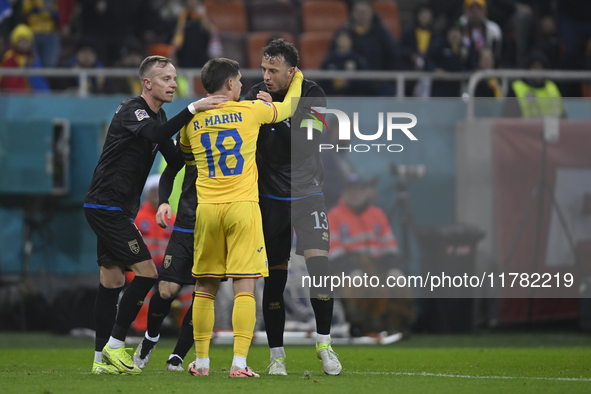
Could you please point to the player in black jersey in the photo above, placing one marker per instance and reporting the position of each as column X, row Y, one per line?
column 284, row 198
column 139, row 130
column 176, row 267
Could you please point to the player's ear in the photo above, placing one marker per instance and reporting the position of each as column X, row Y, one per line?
column 229, row 83
column 291, row 71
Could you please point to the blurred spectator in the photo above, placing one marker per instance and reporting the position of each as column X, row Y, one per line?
column 109, row 24
column 536, row 97
column 416, row 40
column 67, row 8
column 343, row 57
column 131, row 57
column 445, row 12
column 86, row 56
column 373, row 41
column 5, row 9
column 10, row 16
column 479, row 32
column 96, row 20
column 192, row 41
column 574, row 27
column 362, row 242
column 70, row 33
column 548, row 42
column 21, row 54
column 516, row 19
column 168, row 15
column 370, row 37
column 451, row 54
column 490, row 87
column 414, row 48
column 42, row 16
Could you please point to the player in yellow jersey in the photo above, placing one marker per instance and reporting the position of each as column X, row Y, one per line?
column 229, row 238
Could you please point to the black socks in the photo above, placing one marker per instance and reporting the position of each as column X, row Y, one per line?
column 130, row 305
column 105, row 311
column 274, row 307
column 159, row 309
column 322, row 298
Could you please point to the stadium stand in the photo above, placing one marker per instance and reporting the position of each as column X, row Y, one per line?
column 159, row 49
column 258, row 40
column 388, row 11
column 268, row 15
column 227, row 15
column 314, row 47
column 234, row 47
column 314, row 15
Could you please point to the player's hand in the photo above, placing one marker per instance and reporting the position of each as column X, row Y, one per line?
column 210, row 102
column 264, row 96
column 164, row 212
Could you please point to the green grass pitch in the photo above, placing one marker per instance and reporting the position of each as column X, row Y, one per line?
column 494, row 363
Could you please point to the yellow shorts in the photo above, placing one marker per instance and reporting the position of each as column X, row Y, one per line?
column 229, row 241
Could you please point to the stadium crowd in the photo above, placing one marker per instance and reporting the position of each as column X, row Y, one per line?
column 442, row 36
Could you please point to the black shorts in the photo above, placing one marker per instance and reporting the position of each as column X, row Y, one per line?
column 118, row 239
column 307, row 216
column 178, row 259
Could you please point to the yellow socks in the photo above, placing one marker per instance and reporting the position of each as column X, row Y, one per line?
column 243, row 321
column 203, row 321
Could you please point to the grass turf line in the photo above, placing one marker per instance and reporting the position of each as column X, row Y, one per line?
column 46, row 364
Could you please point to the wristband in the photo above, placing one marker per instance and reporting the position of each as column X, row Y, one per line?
column 191, row 108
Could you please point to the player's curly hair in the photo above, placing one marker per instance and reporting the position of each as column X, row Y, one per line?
column 217, row 71
column 278, row 47
column 150, row 62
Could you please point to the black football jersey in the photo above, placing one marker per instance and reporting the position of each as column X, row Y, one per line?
column 127, row 158
column 280, row 174
column 185, row 213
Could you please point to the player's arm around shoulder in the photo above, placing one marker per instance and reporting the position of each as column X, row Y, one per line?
column 207, row 103
column 185, row 145
column 286, row 108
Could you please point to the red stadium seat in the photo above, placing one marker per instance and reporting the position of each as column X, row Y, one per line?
column 388, row 11
column 323, row 15
column 227, row 15
column 159, row 50
column 257, row 41
column 314, row 47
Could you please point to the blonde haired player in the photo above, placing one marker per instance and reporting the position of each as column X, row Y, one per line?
column 228, row 229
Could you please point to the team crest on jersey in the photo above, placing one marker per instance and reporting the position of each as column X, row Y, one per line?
column 134, row 246
column 167, row 261
column 141, row 114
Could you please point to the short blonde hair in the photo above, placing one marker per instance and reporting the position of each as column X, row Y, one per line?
column 150, row 62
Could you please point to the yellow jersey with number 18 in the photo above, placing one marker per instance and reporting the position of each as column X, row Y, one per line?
column 222, row 143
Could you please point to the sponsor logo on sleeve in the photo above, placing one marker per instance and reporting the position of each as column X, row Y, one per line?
column 140, row 114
